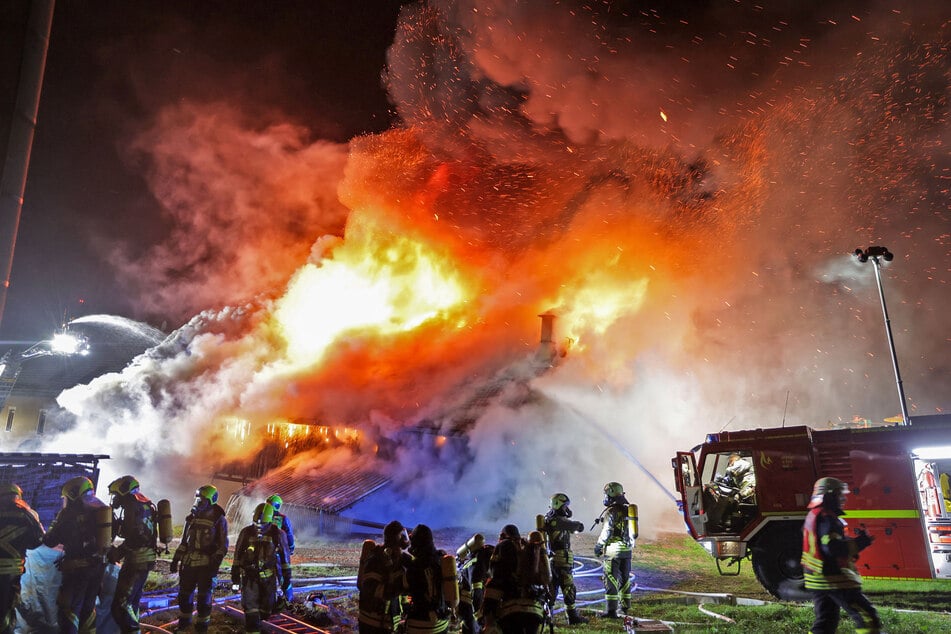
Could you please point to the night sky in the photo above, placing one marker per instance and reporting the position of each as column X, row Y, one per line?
column 111, row 67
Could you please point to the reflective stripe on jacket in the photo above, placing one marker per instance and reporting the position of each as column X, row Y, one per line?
column 828, row 556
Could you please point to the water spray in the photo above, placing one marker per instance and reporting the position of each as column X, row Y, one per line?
column 627, row 454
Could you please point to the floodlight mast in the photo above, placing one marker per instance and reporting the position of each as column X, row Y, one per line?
column 876, row 255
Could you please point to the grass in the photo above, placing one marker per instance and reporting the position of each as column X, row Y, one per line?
column 688, row 568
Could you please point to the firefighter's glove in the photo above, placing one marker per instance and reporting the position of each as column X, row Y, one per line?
column 862, row 539
column 173, row 567
column 579, row 527
column 598, row 550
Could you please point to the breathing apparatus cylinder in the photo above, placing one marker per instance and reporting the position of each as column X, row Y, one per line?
column 368, row 547
column 165, row 530
column 632, row 519
column 473, row 545
column 103, row 520
column 450, row 580
column 539, row 567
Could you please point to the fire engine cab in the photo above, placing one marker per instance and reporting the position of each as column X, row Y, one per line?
column 744, row 494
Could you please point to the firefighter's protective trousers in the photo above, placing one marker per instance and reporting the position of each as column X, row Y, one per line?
column 195, row 580
column 76, row 601
column 128, row 593
column 9, row 598
column 562, row 576
column 258, row 599
column 827, row 603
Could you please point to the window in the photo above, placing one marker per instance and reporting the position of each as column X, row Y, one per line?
column 10, row 416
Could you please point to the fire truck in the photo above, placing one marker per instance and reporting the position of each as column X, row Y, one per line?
column 899, row 481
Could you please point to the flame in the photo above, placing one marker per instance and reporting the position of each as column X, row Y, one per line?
column 592, row 309
column 383, row 280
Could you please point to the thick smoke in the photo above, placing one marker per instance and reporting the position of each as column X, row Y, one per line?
column 682, row 190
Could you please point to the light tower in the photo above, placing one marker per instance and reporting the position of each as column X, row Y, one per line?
column 875, row 255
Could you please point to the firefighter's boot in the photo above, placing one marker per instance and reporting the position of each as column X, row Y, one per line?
column 611, row 611
column 574, row 618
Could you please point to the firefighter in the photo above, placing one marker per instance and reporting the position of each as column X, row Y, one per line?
column 20, row 531
column 135, row 521
column 474, row 558
column 382, row 580
column 828, row 562
column 739, row 470
column 428, row 611
column 513, row 603
column 559, row 526
column 283, row 522
column 615, row 544
column 198, row 557
column 82, row 564
column 261, row 560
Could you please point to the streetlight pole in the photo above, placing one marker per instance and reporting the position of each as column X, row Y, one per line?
column 876, row 255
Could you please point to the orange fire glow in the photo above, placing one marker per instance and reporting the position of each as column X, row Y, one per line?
column 378, row 280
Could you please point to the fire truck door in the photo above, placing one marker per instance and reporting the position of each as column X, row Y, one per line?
column 687, row 481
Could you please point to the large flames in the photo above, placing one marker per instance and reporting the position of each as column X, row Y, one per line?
column 382, row 280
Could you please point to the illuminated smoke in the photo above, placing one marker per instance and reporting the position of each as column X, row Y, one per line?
column 697, row 261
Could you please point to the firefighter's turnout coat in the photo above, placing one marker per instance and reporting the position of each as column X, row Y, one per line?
column 261, row 565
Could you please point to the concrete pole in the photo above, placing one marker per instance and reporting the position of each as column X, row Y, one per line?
column 23, row 124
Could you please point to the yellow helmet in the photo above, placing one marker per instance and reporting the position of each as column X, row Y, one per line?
column 123, row 486
column 275, row 501
column 263, row 513
column 208, row 492
column 11, row 489
column 559, row 500
column 76, row 487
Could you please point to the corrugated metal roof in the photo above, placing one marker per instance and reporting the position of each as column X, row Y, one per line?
column 328, row 489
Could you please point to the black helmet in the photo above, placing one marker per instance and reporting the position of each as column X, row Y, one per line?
column 394, row 534
column 421, row 540
column 509, row 531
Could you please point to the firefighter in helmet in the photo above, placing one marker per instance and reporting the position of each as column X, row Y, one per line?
column 428, row 611
column 828, row 562
column 261, row 561
column 198, row 557
column 134, row 520
column 382, row 580
column 559, row 526
column 282, row 521
column 615, row 544
column 513, row 600
column 473, row 558
column 20, row 530
column 82, row 564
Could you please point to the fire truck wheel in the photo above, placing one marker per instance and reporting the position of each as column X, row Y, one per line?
column 776, row 555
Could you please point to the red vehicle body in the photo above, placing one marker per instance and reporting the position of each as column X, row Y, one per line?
column 898, row 477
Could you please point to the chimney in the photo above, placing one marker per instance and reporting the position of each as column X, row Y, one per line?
column 547, row 352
